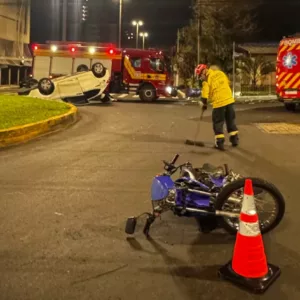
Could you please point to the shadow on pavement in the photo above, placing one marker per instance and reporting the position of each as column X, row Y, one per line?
column 188, row 274
column 153, row 138
column 177, row 267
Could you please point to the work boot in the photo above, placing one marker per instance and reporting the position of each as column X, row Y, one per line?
column 234, row 139
column 220, row 144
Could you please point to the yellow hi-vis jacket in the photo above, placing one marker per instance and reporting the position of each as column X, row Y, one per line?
column 217, row 89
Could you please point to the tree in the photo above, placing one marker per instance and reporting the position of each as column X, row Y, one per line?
column 255, row 68
column 221, row 23
column 186, row 59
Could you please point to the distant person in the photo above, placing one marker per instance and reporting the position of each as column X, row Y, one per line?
column 216, row 89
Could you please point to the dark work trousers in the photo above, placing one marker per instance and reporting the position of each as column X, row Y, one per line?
column 221, row 115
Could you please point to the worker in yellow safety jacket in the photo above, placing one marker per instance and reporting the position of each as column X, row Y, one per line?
column 216, row 89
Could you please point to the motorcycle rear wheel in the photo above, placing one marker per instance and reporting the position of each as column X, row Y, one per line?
column 257, row 183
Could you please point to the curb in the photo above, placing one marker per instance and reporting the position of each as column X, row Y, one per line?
column 21, row 134
column 8, row 87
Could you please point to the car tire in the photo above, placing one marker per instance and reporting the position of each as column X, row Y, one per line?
column 82, row 68
column 98, row 70
column 290, row 106
column 46, row 86
column 148, row 93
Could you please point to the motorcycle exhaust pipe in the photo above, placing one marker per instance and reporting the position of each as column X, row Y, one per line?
column 227, row 214
column 217, row 212
column 230, row 199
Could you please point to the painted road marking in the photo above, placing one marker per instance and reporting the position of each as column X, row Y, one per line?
column 279, row 128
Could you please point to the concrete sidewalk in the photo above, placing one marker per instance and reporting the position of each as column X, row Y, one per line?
column 8, row 87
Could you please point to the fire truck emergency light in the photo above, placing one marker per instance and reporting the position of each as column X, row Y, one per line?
column 92, row 50
column 73, row 49
column 111, row 51
column 53, row 48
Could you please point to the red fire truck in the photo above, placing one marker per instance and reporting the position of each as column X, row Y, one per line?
column 288, row 72
column 146, row 73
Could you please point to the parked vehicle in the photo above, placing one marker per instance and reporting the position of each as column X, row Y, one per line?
column 85, row 85
column 288, row 72
column 146, row 73
column 209, row 191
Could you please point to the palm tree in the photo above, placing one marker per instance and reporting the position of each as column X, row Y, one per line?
column 255, row 67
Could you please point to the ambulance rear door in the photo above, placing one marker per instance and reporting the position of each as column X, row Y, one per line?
column 41, row 67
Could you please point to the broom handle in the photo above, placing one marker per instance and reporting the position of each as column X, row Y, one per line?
column 198, row 127
column 202, row 113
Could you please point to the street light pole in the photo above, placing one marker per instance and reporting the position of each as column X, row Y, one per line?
column 64, row 20
column 120, row 22
column 143, row 41
column 137, row 35
column 137, row 24
column 144, row 35
column 199, row 32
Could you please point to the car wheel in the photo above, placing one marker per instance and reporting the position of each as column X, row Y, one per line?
column 290, row 106
column 148, row 93
column 82, row 68
column 45, row 86
column 98, row 70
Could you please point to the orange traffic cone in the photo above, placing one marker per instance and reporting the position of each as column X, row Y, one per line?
column 249, row 267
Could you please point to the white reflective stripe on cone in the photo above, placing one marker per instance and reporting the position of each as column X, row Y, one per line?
column 248, row 204
column 249, row 229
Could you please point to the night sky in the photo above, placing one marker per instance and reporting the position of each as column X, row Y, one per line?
column 162, row 18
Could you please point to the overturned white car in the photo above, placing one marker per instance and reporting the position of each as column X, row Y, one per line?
column 83, row 85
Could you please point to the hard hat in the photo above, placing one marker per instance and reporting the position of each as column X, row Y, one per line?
column 200, row 68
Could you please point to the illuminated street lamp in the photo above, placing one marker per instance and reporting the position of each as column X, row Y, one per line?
column 144, row 35
column 137, row 24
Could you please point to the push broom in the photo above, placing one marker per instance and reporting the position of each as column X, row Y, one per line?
column 195, row 142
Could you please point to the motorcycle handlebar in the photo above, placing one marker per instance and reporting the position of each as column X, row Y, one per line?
column 174, row 159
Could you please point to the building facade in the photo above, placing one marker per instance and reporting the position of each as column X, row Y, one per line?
column 15, row 56
column 84, row 20
column 66, row 19
column 100, row 24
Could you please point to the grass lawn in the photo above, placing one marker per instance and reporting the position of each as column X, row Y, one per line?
column 20, row 110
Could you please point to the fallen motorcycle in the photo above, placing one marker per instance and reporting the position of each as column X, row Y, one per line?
column 213, row 192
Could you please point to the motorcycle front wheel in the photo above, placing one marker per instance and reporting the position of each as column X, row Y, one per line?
column 268, row 220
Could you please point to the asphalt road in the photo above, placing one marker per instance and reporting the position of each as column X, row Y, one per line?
column 65, row 198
